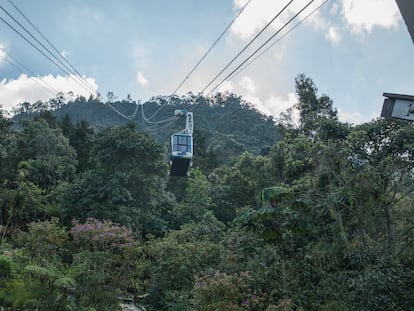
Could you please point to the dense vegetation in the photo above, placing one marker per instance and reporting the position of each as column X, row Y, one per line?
column 225, row 124
column 89, row 216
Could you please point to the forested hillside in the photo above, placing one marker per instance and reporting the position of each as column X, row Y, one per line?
column 321, row 220
column 224, row 124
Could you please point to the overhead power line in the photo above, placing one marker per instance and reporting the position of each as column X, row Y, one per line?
column 282, row 37
column 34, row 46
column 52, row 46
column 55, row 61
column 23, row 69
column 46, row 87
column 260, row 47
column 148, row 120
column 248, row 44
column 65, row 66
column 130, row 117
column 212, row 46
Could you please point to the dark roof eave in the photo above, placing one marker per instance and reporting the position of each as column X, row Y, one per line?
column 399, row 96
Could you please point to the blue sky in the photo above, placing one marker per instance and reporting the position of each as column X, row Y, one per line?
column 354, row 50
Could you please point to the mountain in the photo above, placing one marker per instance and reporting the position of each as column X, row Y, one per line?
column 225, row 123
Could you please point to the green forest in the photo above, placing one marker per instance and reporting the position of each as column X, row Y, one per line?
column 276, row 214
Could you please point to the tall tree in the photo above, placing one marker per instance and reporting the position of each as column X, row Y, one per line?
column 311, row 107
column 125, row 185
column 52, row 160
column 7, row 146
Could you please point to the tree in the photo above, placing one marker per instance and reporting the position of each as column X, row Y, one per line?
column 179, row 257
column 80, row 138
column 20, row 202
column 52, row 160
column 237, row 185
column 197, row 199
column 125, row 185
column 311, row 107
column 7, row 147
column 54, row 269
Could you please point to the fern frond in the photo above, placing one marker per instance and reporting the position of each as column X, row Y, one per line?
column 41, row 272
column 65, row 282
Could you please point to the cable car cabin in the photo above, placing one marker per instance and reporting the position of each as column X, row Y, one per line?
column 181, row 154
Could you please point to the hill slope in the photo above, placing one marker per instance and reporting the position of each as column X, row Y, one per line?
column 224, row 124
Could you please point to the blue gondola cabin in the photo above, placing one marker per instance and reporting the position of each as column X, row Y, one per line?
column 181, row 154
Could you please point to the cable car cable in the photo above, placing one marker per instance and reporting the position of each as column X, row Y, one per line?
column 211, row 47
column 260, row 47
column 42, row 52
column 199, row 62
column 131, row 117
column 278, row 40
column 79, row 78
column 31, row 78
column 51, row 44
column 250, row 42
column 20, row 66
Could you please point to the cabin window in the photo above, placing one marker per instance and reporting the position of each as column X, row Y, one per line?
column 181, row 143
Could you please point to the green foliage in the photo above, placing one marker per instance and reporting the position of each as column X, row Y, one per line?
column 50, row 272
column 126, row 185
column 179, row 257
column 237, row 185
column 5, row 267
column 21, row 202
column 7, row 147
column 80, row 138
column 101, row 235
column 228, row 124
column 220, row 291
column 312, row 109
column 52, row 160
column 197, row 199
column 44, row 239
column 319, row 219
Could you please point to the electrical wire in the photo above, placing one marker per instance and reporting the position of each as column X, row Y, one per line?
column 47, row 88
column 154, row 114
column 74, row 73
column 71, row 72
column 198, row 63
column 34, row 46
column 211, row 47
column 23, row 69
column 260, row 47
column 278, row 40
column 67, row 70
column 156, row 122
column 52, row 46
column 153, row 130
column 248, row 44
column 130, row 117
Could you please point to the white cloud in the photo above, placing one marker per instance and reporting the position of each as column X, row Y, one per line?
column 248, row 88
column 364, row 15
column 248, row 84
column 227, row 86
column 257, row 103
column 351, row 117
column 278, row 104
column 259, row 12
column 335, row 8
column 64, row 53
column 275, row 105
column 355, row 117
column 333, row 35
column 2, row 54
column 141, row 79
column 32, row 89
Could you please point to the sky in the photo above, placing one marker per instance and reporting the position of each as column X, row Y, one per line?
column 353, row 50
